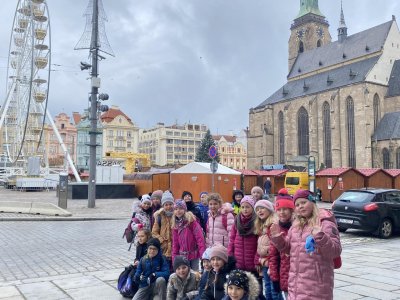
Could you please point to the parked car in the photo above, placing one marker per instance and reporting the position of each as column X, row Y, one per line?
column 373, row 210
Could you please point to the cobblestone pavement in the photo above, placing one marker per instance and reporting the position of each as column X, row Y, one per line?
column 82, row 260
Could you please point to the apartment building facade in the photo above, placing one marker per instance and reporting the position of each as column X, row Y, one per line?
column 171, row 145
column 232, row 151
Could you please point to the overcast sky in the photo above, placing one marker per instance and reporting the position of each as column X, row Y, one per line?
column 199, row 61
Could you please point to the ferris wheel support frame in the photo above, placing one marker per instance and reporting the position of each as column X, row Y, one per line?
column 5, row 107
column 64, row 148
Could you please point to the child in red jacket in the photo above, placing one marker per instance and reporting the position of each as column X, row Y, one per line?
column 279, row 262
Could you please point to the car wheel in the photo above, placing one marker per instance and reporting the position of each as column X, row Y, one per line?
column 385, row 229
column 341, row 229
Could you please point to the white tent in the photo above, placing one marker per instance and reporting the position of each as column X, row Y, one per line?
column 204, row 168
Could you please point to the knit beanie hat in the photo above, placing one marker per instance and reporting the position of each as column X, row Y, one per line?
column 206, row 254
column 203, row 193
column 237, row 192
column 248, row 199
column 239, row 278
column 266, row 204
column 283, row 191
column 145, row 198
column 180, row 204
column 167, row 197
column 284, row 201
column 219, row 251
column 257, row 188
column 187, row 193
column 154, row 242
column 179, row 261
column 157, row 194
column 306, row 194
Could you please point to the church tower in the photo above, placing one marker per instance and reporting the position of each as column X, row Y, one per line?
column 309, row 30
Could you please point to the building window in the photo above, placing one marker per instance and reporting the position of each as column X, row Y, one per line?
column 376, row 110
column 398, row 158
column 129, row 144
column 281, row 134
column 327, row 135
column 303, row 132
column 319, row 43
column 62, row 126
column 351, row 140
column 301, row 47
column 129, row 134
column 385, row 158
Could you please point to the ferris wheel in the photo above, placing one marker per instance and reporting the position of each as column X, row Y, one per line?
column 28, row 74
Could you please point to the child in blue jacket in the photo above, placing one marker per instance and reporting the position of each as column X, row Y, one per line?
column 152, row 273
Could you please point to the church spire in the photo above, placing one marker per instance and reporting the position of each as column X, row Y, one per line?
column 342, row 30
column 309, row 7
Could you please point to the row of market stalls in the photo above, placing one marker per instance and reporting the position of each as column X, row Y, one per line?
column 197, row 177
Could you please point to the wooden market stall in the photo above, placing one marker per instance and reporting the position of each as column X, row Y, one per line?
column 277, row 178
column 376, row 178
column 395, row 173
column 249, row 179
column 147, row 182
column 334, row 181
column 196, row 177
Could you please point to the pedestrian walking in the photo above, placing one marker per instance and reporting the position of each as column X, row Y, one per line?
column 187, row 235
column 313, row 242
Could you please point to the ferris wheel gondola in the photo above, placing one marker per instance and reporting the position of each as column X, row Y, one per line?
column 28, row 75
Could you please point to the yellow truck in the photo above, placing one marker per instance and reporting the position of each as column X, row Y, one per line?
column 295, row 181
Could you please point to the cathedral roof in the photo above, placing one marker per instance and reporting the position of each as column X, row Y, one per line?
column 332, row 79
column 354, row 46
column 388, row 127
column 394, row 83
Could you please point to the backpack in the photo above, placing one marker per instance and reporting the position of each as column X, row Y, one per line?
column 129, row 234
column 125, row 284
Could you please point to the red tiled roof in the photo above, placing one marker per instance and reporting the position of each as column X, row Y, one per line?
column 112, row 113
column 333, row 171
column 368, row 171
column 270, row 172
column 247, row 172
column 392, row 172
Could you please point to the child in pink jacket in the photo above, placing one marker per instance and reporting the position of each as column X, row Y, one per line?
column 187, row 235
column 313, row 242
column 220, row 221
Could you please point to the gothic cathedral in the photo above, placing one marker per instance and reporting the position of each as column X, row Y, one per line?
column 341, row 101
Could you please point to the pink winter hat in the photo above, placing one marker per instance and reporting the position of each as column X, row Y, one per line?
column 248, row 200
column 306, row 194
column 266, row 204
column 219, row 251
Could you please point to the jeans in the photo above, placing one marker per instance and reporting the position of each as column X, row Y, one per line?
column 267, row 284
column 275, row 294
column 155, row 291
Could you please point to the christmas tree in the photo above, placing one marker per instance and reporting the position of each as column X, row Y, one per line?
column 202, row 152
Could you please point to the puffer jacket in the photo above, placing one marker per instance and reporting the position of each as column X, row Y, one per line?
column 311, row 276
column 164, row 232
column 217, row 230
column 243, row 248
column 188, row 241
column 254, row 289
column 215, row 286
column 178, row 289
column 147, row 266
column 141, row 217
column 263, row 243
column 279, row 262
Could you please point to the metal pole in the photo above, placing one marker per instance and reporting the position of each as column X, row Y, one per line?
column 93, row 107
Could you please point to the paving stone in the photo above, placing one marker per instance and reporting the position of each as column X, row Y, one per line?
column 8, row 291
column 366, row 282
column 77, row 282
column 42, row 291
column 340, row 294
column 94, row 292
column 367, row 291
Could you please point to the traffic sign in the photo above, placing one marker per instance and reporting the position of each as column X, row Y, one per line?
column 212, row 152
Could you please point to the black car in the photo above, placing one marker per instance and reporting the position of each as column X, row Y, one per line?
column 374, row 210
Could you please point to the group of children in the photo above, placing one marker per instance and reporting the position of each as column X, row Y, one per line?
column 252, row 248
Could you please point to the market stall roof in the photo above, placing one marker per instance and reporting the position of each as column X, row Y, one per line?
column 203, row 168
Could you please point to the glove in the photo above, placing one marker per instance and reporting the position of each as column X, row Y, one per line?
column 310, row 245
column 276, row 285
column 151, row 278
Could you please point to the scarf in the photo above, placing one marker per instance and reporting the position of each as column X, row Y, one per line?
column 245, row 225
column 285, row 225
column 180, row 223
